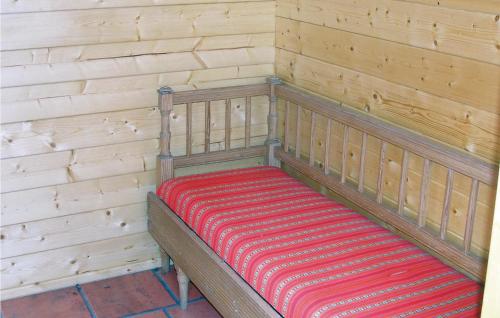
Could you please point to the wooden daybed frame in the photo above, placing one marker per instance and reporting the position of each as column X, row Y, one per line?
column 223, row 287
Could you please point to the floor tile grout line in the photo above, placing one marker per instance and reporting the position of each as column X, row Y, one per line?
column 132, row 315
column 86, row 301
column 197, row 299
column 165, row 284
column 167, row 314
column 163, row 308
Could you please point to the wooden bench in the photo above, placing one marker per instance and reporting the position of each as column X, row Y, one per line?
column 230, row 294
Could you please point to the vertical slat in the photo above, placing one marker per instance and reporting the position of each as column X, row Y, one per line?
column 297, row 135
column 381, row 168
column 344, row 154
column 207, row 126
column 189, row 128
column 362, row 156
column 471, row 213
column 227, row 126
column 445, row 216
column 286, row 138
column 424, row 192
column 311, row 141
column 166, row 160
column 272, row 118
column 248, row 118
column 326, row 160
column 272, row 141
column 403, row 183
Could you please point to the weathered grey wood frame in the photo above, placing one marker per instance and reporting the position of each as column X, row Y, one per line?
column 229, row 293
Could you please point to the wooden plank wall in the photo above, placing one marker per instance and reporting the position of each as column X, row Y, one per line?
column 430, row 66
column 80, row 126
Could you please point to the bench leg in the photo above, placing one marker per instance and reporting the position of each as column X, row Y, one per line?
column 165, row 262
column 183, row 281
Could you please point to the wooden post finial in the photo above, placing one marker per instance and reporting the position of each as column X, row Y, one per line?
column 274, row 80
column 166, row 160
column 164, row 90
column 272, row 140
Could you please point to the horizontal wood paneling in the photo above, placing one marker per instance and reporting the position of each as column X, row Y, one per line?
column 77, row 165
column 27, row 138
column 68, row 54
column 37, row 236
column 180, row 81
column 80, row 123
column 457, row 124
column 489, row 6
column 15, row 6
column 460, row 79
column 123, row 93
column 30, row 273
column 134, row 24
column 72, row 198
column 457, row 32
column 35, row 171
column 127, row 66
column 111, row 160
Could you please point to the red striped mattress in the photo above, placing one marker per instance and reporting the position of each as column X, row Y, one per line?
column 310, row 256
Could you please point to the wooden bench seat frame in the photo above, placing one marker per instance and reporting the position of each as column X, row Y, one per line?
column 223, row 287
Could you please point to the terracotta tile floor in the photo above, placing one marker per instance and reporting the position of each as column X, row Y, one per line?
column 146, row 294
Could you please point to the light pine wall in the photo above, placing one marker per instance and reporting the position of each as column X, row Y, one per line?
column 430, row 66
column 80, row 126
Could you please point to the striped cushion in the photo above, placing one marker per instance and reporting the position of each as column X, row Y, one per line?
column 310, row 256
